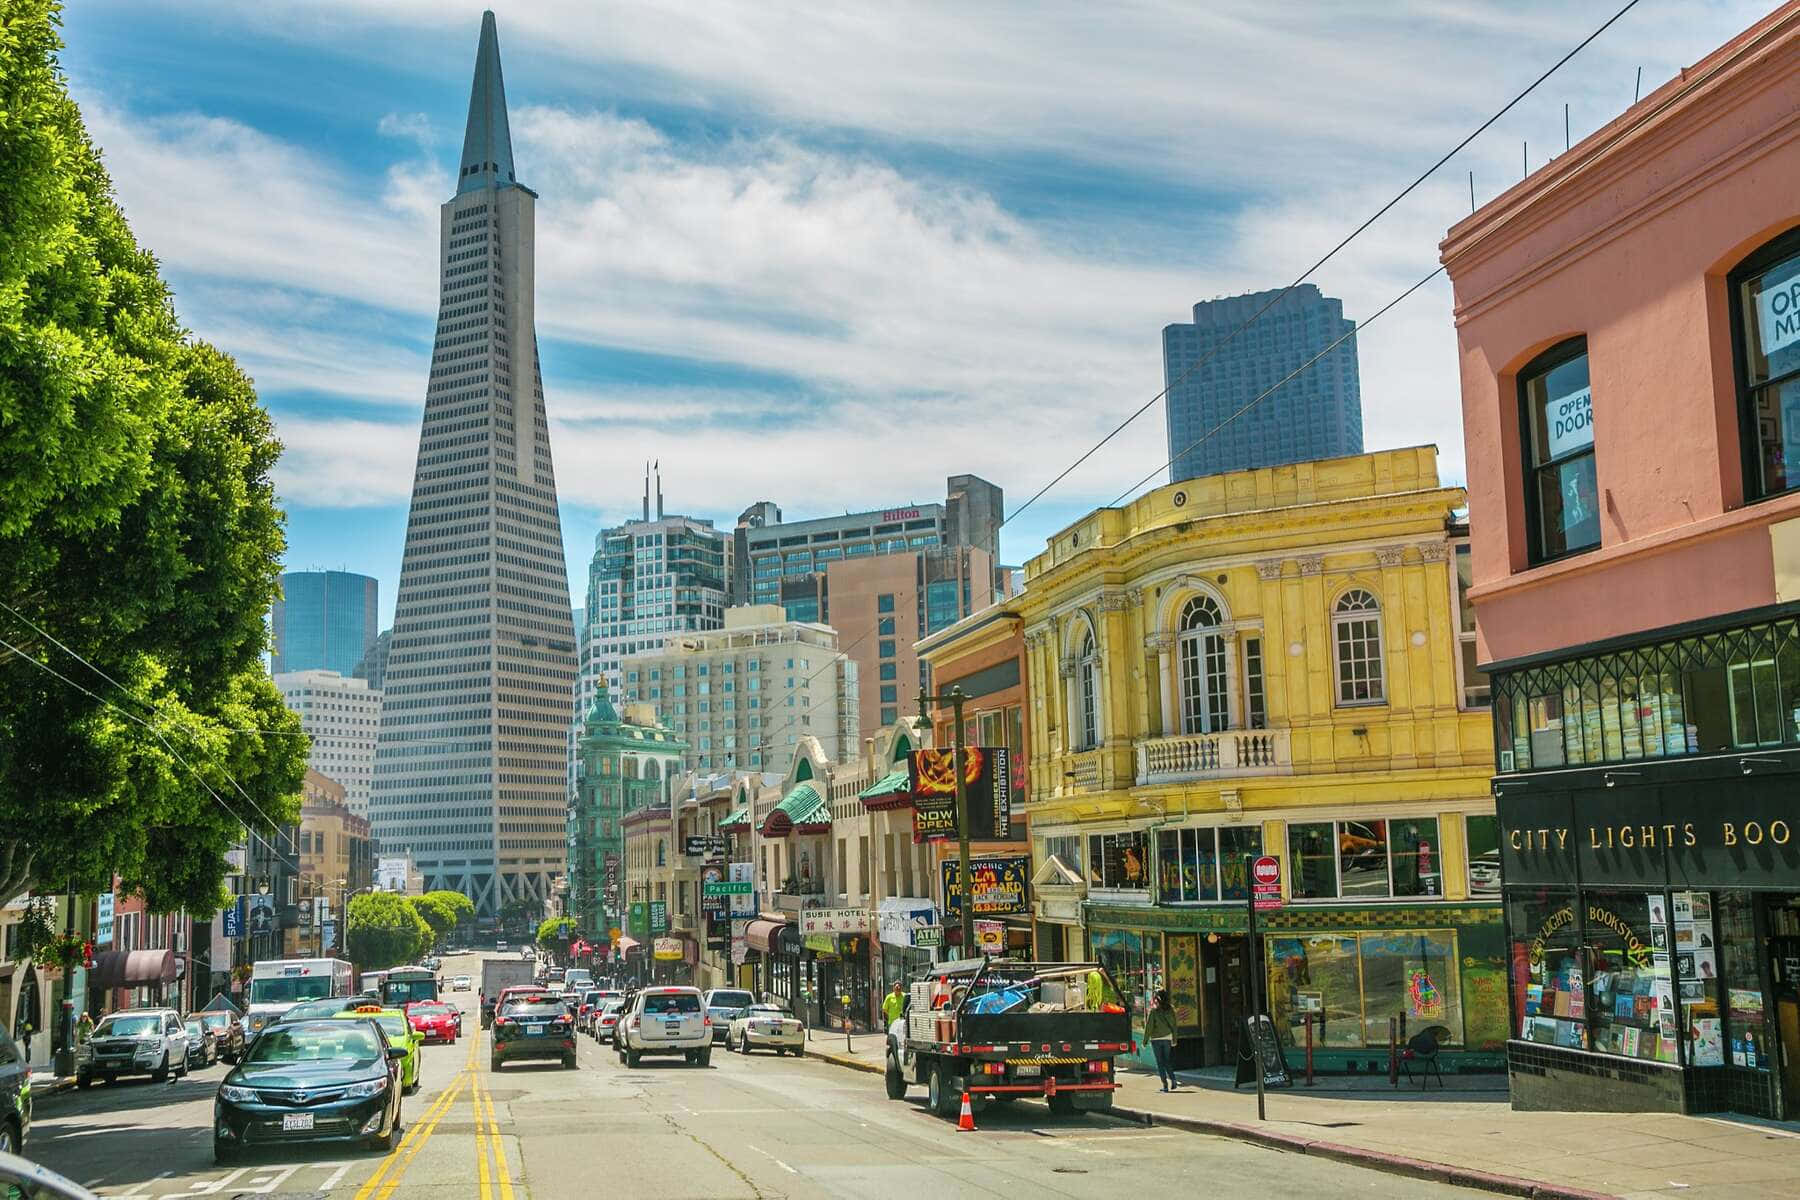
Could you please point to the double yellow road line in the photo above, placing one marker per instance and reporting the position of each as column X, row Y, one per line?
column 381, row 1185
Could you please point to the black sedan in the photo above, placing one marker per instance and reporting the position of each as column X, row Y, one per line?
column 534, row 1026
column 310, row 1081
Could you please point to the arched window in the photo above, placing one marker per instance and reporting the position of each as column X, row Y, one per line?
column 1356, row 633
column 1205, row 707
column 1087, row 692
column 662, row 853
column 651, row 769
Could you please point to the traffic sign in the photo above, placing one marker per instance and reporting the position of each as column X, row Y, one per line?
column 1265, row 882
column 726, row 887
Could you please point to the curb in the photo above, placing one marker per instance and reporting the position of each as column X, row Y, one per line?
column 1377, row 1160
column 52, row 1087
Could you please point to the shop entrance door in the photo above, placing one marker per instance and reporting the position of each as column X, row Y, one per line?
column 1234, row 996
column 1784, row 973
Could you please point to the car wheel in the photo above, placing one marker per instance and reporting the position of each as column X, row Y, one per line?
column 111, row 1078
column 704, row 1058
column 82, row 1080
column 9, row 1136
column 384, row 1141
column 223, row 1152
column 1061, row 1105
column 494, row 1063
column 568, row 1062
column 631, row 1059
column 161, row 1073
column 942, row 1092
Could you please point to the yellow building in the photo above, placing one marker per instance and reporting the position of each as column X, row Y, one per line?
column 1277, row 661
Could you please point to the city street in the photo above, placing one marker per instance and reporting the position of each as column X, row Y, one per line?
column 752, row 1127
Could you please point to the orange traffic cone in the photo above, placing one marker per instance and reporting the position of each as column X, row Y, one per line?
column 966, row 1122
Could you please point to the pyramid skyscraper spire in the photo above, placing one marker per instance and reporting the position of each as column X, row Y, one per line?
column 487, row 156
column 469, row 764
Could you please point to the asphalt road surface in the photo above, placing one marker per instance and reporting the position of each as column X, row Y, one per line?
column 756, row 1127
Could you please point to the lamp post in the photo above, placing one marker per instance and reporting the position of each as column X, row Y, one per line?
column 955, row 698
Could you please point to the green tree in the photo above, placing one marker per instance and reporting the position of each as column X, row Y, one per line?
column 140, row 544
column 383, row 930
column 550, row 933
column 443, row 911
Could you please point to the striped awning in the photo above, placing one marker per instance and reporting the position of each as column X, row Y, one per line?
column 802, row 810
column 893, row 790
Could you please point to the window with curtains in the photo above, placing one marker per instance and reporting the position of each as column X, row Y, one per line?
column 1356, row 633
column 1087, row 688
column 1201, row 647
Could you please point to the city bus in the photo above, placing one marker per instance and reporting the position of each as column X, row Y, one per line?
column 405, row 985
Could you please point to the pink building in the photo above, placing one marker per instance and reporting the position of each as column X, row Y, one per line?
column 1628, row 320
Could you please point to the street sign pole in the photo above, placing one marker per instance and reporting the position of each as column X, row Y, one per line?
column 1255, row 991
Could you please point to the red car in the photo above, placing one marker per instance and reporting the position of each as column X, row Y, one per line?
column 434, row 1020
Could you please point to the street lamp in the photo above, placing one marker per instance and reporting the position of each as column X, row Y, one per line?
column 956, row 698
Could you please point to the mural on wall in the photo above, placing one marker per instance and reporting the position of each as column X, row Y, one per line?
column 1183, row 954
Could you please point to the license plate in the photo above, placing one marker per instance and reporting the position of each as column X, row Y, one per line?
column 1026, row 1070
column 292, row 1122
column 534, row 1030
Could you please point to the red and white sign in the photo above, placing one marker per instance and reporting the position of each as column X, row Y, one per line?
column 1265, row 882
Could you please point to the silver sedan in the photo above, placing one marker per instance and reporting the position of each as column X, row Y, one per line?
column 766, row 1027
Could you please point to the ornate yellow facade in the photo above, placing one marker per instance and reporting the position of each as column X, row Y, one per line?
column 1231, row 656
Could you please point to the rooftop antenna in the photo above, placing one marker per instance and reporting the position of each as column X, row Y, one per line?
column 646, row 491
column 659, row 506
column 1638, row 91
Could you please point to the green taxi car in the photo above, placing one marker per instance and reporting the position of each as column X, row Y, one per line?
column 399, row 1032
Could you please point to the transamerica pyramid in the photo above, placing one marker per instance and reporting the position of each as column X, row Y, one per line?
column 469, row 771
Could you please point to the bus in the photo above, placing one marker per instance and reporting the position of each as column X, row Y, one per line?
column 405, row 985
column 278, row 984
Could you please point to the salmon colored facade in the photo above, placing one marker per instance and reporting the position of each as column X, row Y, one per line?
column 1628, row 324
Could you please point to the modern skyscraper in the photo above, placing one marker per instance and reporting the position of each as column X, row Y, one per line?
column 1317, row 414
column 342, row 716
column 469, row 769
column 323, row 621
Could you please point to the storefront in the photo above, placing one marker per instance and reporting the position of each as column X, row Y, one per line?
column 1650, row 852
column 908, row 932
column 783, row 978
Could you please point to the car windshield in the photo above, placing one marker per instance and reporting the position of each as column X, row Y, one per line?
column 325, row 1042
column 138, row 1026
column 725, row 999
column 402, row 991
column 673, row 1002
column 612, row 1007
column 318, row 1008
column 286, row 989
column 769, row 1010
column 433, row 1009
column 193, row 1027
column 216, row 1020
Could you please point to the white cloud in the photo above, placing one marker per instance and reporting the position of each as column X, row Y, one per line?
column 335, row 463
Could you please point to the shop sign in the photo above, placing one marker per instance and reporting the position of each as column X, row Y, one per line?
column 740, row 942
column 1000, row 886
column 668, row 949
column 711, row 902
column 928, row 937
column 834, row 920
column 234, row 919
column 659, row 916
column 900, row 916
column 726, row 887
column 743, row 904
column 328, row 935
column 703, row 844
column 990, row 937
column 637, row 919
column 1778, row 313
column 821, row 944
column 103, row 920
column 987, row 790
column 1568, row 422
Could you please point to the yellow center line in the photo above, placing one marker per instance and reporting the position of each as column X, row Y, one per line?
column 484, row 1097
column 481, row 1130
column 416, row 1136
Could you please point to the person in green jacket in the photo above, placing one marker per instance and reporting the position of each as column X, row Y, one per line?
column 1159, row 1031
column 893, row 1005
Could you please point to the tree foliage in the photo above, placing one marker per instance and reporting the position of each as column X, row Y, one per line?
column 444, row 910
column 384, row 930
column 550, row 933
column 138, row 531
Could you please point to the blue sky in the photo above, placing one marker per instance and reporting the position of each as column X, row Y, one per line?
column 822, row 254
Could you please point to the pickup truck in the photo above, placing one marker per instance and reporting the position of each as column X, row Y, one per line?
column 1001, row 1029
column 498, row 974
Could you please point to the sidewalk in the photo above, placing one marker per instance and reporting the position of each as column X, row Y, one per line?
column 48, row 1083
column 1465, row 1134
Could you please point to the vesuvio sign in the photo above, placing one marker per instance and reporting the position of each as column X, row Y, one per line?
column 1703, row 834
column 1001, row 886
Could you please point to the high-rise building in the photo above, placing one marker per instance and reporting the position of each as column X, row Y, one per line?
column 1213, row 372
column 650, row 580
column 757, row 516
column 741, row 697
column 469, row 771
column 323, row 620
column 373, row 664
column 342, row 716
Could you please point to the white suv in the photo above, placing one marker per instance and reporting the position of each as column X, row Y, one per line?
column 665, row 1020
column 135, row 1041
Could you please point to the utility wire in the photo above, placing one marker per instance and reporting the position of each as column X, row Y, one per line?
column 1327, row 257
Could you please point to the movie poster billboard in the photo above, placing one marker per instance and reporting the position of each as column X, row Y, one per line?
column 987, row 786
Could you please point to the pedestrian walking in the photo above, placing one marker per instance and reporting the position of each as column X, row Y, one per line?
column 1159, row 1031
column 893, row 1005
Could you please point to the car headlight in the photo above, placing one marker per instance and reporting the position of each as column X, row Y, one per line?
column 368, row 1087
column 237, row 1095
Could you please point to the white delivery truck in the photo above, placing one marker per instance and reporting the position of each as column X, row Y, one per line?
column 279, row 984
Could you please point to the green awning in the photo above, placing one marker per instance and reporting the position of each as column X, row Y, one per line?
column 801, row 808
column 740, row 816
column 889, row 791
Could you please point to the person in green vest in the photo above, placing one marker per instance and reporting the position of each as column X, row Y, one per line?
column 893, row 1005
column 1159, row 1031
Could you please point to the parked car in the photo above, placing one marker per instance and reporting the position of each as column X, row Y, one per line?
column 666, row 1020
column 399, row 1032
column 228, row 1033
column 435, row 1021
column 15, row 1096
column 722, row 1004
column 133, row 1041
column 766, row 1027
column 585, row 1006
column 324, row 1080
column 461, row 983
column 532, row 1025
column 500, row 947
column 203, row 1045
